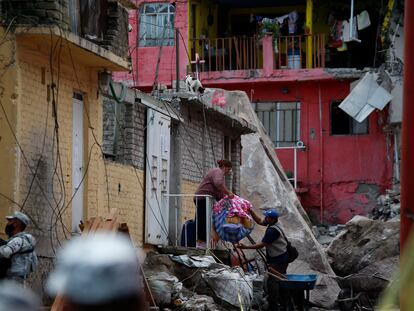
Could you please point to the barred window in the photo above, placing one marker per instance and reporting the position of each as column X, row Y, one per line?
column 281, row 121
column 156, row 26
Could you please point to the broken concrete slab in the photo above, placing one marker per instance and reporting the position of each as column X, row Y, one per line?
column 365, row 242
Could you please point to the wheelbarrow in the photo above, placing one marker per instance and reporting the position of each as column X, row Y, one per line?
column 298, row 286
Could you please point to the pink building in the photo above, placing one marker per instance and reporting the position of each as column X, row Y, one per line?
column 288, row 59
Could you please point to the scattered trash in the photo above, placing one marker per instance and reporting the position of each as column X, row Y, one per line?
column 165, row 288
column 194, row 261
column 231, row 285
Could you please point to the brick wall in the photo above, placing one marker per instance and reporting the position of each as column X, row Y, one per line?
column 131, row 121
column 47, row 198
column 236, row 160
column 202, row 148
column 38, row 11
column 58, row 12
column 116, row 37
column 127, row 196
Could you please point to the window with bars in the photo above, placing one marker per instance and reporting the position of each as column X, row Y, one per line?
column 156, row 26
column 281, row 121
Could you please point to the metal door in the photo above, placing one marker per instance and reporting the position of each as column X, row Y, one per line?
column 157, row 178
column 77, row 161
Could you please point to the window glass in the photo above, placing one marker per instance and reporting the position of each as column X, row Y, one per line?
column 281, row 122
column 156, row 26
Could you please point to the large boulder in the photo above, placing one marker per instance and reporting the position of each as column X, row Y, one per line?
column 374, row 278
column 264, row 184
column 364, row 243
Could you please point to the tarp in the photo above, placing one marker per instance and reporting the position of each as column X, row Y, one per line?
column 194, row 261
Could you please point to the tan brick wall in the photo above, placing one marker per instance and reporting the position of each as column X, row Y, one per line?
column 188, row 207
column 8, row 89
column 49, row 204
column 126, row 195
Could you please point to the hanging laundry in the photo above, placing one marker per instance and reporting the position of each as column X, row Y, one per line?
column 281, row 19
column 347, row 35
column 335, row 37
column 293, row 18
column 363, row 20
column 345, row 31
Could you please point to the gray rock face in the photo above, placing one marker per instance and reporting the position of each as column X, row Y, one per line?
column 364, row 243
column 264, row 183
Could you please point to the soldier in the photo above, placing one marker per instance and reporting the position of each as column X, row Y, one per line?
column 18, row 257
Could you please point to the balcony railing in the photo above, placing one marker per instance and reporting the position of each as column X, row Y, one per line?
column 249, row 53
column 291, row 51
column 233, row 53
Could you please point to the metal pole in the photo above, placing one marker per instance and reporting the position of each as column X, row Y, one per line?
column 176, row 221
column 321, row 151
column 397, row 160
column 177, row 60
column 351, row 21
column 407, row 146
column 295, row 167
column 208, row 222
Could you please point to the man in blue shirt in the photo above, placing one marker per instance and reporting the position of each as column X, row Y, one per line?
column 274, row 240
column 277, row 257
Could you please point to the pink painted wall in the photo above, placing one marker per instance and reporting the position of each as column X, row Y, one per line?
column 355, row 169
column 144, row 59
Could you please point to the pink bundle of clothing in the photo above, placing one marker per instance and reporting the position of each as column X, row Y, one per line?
column 237, row 212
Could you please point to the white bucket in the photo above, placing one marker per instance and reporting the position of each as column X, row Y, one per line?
column 294, row 60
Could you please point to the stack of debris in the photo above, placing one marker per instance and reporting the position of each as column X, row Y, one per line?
column 365, row 257
column 388, row 205
column 326, row 234
column 199, row 283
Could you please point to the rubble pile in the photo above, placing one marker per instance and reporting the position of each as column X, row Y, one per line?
column 198, row 283
column 326, row 234
column 388, row 205
column 365, row 256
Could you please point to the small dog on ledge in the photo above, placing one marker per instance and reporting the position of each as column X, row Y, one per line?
column 193, row 85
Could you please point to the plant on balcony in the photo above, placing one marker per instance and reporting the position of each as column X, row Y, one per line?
column 269, row 26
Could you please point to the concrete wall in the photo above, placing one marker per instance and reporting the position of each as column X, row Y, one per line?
column 354, row 169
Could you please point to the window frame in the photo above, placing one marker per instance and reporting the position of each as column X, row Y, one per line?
column 156, row 38
column 278, row 113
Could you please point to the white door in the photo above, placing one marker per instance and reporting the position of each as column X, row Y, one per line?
column 77, row 161
column 157, row 178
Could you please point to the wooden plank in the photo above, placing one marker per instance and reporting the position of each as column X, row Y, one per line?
column 147, row 289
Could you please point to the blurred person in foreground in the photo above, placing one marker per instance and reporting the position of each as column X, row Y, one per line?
column 98, row 272
column 14, row 297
